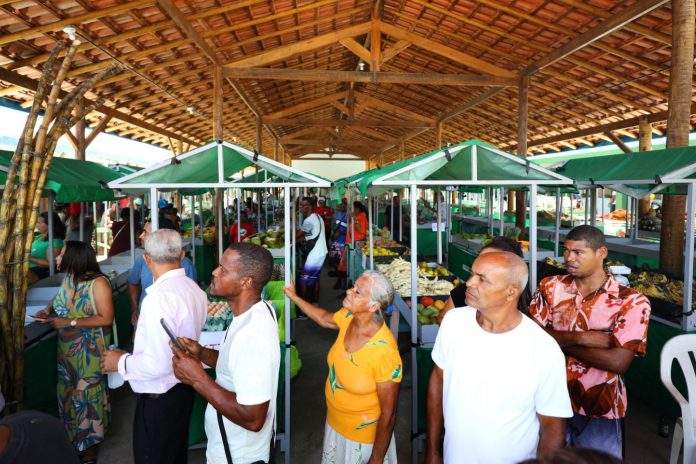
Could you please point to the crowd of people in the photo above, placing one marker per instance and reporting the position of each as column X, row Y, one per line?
column 516, row 377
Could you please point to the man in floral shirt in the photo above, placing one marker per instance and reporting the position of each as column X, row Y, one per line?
column 601, row 326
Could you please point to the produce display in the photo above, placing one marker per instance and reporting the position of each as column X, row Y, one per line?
column 429, row 309
column 209, row 234
column 272, row 238
column 471, row 236
column 219, row 316
column 379, row 251
column 399, row 273
column 657, row 285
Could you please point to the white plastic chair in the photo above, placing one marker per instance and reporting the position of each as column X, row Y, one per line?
column 679, row 348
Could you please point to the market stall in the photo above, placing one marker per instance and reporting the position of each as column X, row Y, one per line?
column 222, row 166
column 68, row 180
column 467, row 164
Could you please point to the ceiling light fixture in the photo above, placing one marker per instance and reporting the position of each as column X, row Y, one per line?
column 70, row 31
column 189, row 109
column 361, row 66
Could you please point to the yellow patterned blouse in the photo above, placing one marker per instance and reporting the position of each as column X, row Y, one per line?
column 351, row 387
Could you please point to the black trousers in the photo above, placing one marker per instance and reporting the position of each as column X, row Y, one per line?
column 161, row 426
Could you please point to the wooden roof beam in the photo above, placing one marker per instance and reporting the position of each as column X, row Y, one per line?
column 617, row 141
column 300, row 121
column 600, row 129
column 612, row 24
column 304, row 106
column 446, row 52
column 377, row 103
column 323, row 75
column 286, row 51
column 469, row 104
column 357, row 49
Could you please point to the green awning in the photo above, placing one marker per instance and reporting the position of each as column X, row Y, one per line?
column 73, row 180
column 199, row 168
column 635, row 174
column 469, row 163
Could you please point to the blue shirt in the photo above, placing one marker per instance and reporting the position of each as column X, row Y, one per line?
column 140, row 274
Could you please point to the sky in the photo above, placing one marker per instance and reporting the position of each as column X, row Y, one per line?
column 105, row 149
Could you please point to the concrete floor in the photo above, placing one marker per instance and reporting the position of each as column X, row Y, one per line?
column 644, row 445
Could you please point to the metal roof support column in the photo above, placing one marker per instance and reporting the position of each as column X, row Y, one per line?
column 154, row 210
column 557, row 231
column 593, row 208
column 131, row 231
column 533, row 237
column 401, row 217
column 286, row 316
column 193, row 230
column 501, row 206
column 414, row 324
column 439, row 218
column 689, row 322
column 370, row 219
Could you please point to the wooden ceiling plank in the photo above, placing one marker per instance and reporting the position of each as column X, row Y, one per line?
column 446, row 51
column 377, row 103
column 304, row 106
column 285, row 51
column 610, row 25
column 74, row 20
column 394, row 50
column 344, row 122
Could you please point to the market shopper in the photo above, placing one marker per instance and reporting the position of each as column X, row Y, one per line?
column 457, row 296
column 38, row 256
column 601, row 326
column 311, row 240
column 120, row 232
column 163, row 408
column 140, row 277
column 326, row 213
column 82, row 312
column 362, row 387
column 240, row 417
column 357, row 227
column 498, row 385
column 246, row 228
column 34, row 437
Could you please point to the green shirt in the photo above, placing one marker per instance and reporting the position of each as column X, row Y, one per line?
column 40, row 246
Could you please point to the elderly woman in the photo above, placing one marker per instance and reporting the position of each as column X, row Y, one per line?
column 82, row 311
column 362, row 387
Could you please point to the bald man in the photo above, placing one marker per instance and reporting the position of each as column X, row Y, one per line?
column 498, row 387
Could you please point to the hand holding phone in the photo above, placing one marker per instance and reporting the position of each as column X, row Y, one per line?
column 172, row 337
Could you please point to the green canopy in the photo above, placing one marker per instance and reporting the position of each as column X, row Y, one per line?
column 635, row 174
column 73, row 180
column 125, row 169
column 200, row 168
column 469, row 163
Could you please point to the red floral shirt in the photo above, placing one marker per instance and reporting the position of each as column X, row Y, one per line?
column 557, row 304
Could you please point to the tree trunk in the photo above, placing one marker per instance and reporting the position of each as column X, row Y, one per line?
column 511, row 201
column 680, row 84
column 522, row 115
column 644, row 144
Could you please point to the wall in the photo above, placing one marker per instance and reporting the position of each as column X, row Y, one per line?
column 330, row 169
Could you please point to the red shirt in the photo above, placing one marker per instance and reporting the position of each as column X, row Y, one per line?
column 247, row 230
column 559, row 305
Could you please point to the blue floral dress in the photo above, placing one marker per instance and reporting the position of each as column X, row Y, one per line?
column 82, row 397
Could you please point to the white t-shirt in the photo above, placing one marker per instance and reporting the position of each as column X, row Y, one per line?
column 313, row 226
column 248, row 365
column 494, row 386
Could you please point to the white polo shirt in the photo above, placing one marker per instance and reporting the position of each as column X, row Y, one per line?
column 247, row 365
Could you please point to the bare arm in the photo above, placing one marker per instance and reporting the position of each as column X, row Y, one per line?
column 319, row 315
column 134, row 295
column 189, row 370
column 435, row 418
column 551, row 435
column 388, row 395
column 44, row 262
column 615, row 360
column 207, row 356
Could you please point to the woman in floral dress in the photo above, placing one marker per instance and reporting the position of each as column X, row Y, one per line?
column 83, row 313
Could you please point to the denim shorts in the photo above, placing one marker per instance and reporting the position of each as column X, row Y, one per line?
column 595, row 433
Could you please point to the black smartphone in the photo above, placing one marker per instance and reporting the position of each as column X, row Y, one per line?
column 172, row 337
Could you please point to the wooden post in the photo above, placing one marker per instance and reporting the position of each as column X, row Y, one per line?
column 375, row 46
column 644, row 144
column 522, row 116
column 679, row 111
column 511, row 200
column 217, row 102
column 81, row 149
column 438, row 135
column 259, row 127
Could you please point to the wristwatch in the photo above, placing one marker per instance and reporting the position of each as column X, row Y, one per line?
column 73, row 323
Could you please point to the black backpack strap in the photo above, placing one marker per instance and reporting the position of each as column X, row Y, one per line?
column 223, row 435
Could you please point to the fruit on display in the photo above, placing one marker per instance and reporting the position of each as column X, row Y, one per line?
column 658, row 285
column 272, row 238
column 219, row 316
column 471, row 236
column 209, row 234
column 555, row 262
column 399, row 273
column 429, row 309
